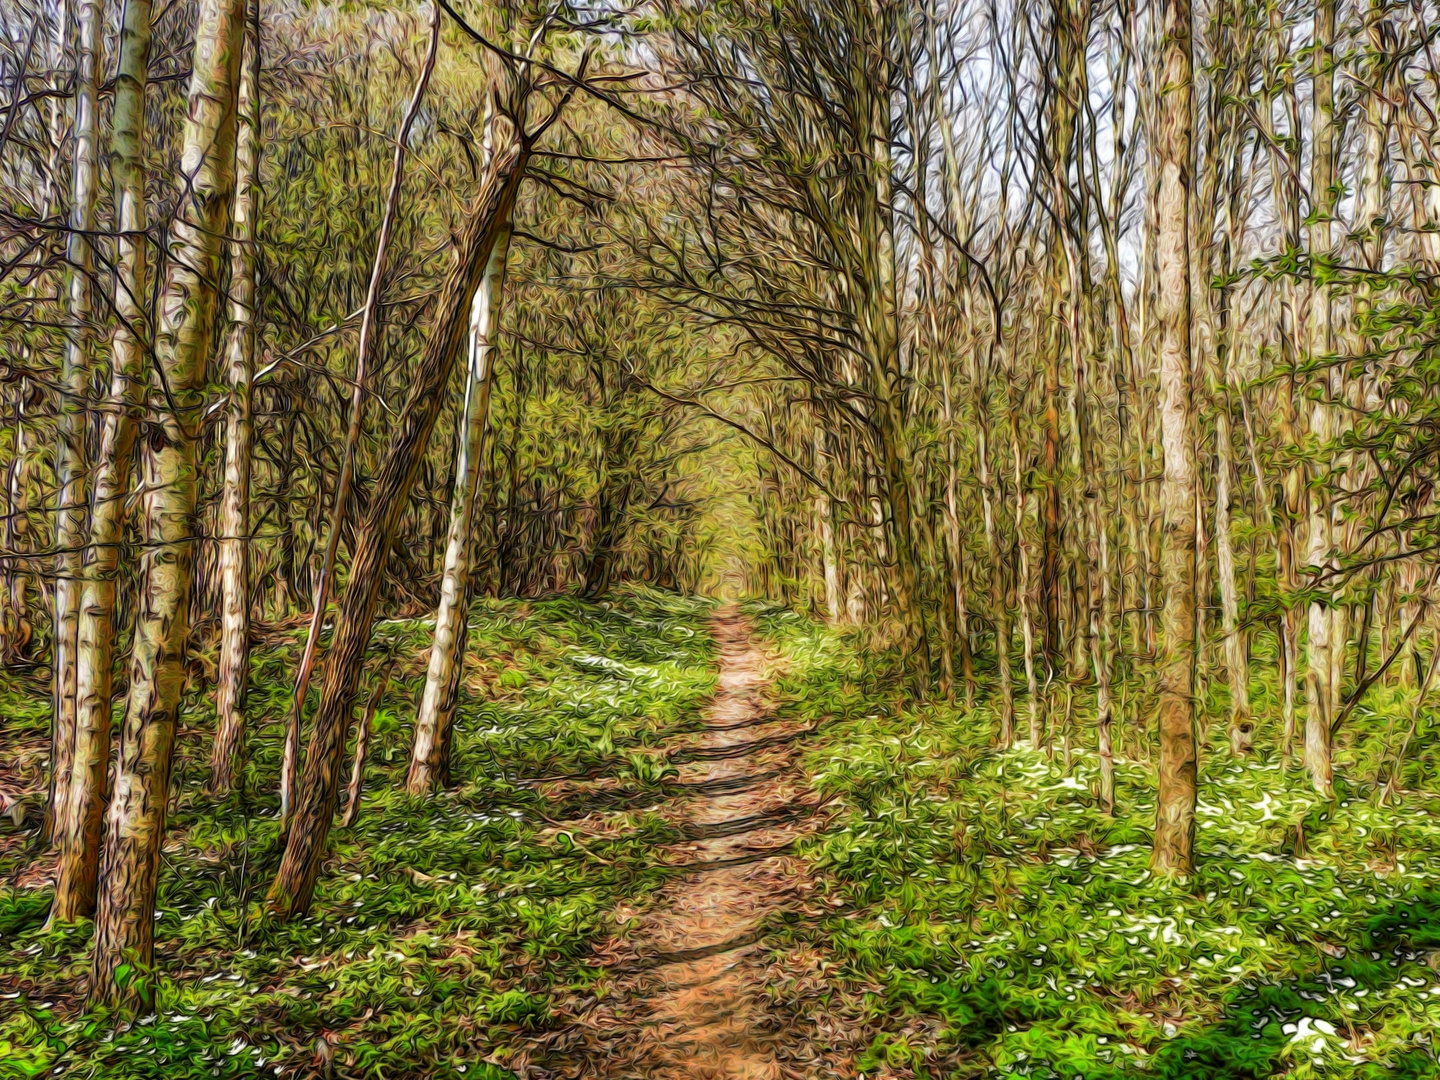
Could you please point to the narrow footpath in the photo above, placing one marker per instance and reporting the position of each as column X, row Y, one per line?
column 690, row 974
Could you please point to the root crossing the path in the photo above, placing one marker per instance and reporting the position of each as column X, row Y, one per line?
column 689, row 996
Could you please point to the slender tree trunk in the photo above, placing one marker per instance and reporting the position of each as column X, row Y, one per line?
column 230, row 691
column 18, row 628
column 999, row 598
column 1175, row 807
column 72, row 465
column 1100, row 656
column 95, row 635
column 824, row 520
column 1320, row 549
column 294, row 884
column 125, row 916
column 880, row 334
column 955, row 547
column 362, row 741
column 1242, row 729
column 289, row 761
column 1024, row 586
column 429, row 757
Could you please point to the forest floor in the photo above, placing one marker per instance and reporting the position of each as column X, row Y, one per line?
column 689, row 999
column 701, row 842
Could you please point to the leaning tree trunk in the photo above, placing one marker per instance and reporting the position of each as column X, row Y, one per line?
column 294, row 884
column 239, row 371
column 289, row 760
column 130, row 867
column 70, row 520
column 429, row 757
column 1175, row 805
column 95, row 634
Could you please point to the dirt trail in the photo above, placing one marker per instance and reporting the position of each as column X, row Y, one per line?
column 689, row 998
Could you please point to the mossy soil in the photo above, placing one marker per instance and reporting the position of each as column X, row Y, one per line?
column 975, row 912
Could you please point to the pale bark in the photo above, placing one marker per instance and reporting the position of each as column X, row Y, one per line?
column 234, row 676
column 75, row 375
column 1175, row 805
column 1023, row 584
column 824, row 521
column 17, row 627
column 954, row 547
column 95, row 635
column 130, row 867
column 1100, row 658
column 429, row 757
column 1323, row 621
column 1242, row 728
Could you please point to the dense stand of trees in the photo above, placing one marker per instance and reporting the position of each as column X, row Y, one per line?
column 1079, row 352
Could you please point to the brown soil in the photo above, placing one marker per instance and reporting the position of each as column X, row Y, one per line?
column 693, row 991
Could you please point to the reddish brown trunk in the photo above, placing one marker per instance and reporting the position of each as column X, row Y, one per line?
column 294, row 884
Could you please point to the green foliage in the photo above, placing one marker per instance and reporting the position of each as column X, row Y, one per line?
column 992, row 919
column 441, row 927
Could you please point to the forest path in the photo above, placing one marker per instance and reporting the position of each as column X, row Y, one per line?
column 689, row 991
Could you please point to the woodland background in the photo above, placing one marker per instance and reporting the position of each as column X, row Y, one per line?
column 1074, row 362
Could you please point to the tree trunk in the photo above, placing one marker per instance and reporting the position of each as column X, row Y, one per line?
column 1320, row 554
column 234, row 675
column 95, row 633
column 1023, row 585
column 125, row 916
column 294, row 884
column 289, row 760
column 72, row 466
column 1242, row 728
column 362, row 740
column 824, row 521
column 429, row 757
column 1175, row 808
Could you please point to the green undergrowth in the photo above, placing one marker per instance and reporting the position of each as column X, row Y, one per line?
column 442, row 927
column 990, row 919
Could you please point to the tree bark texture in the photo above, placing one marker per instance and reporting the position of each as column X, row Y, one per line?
column 429, row 758
column 1175, row 808
column 135, row 828
column 234, row 675
column 95, row 631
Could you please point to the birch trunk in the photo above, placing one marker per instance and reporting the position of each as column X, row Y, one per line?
column 1023, row 585
column 1242, row 728
column 72, row 466
column 130, row 866
column 430, row 755
column 1175, row 806
column 1323, row 620
column 230, row 690
column 95, row 632
column 824, row 520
